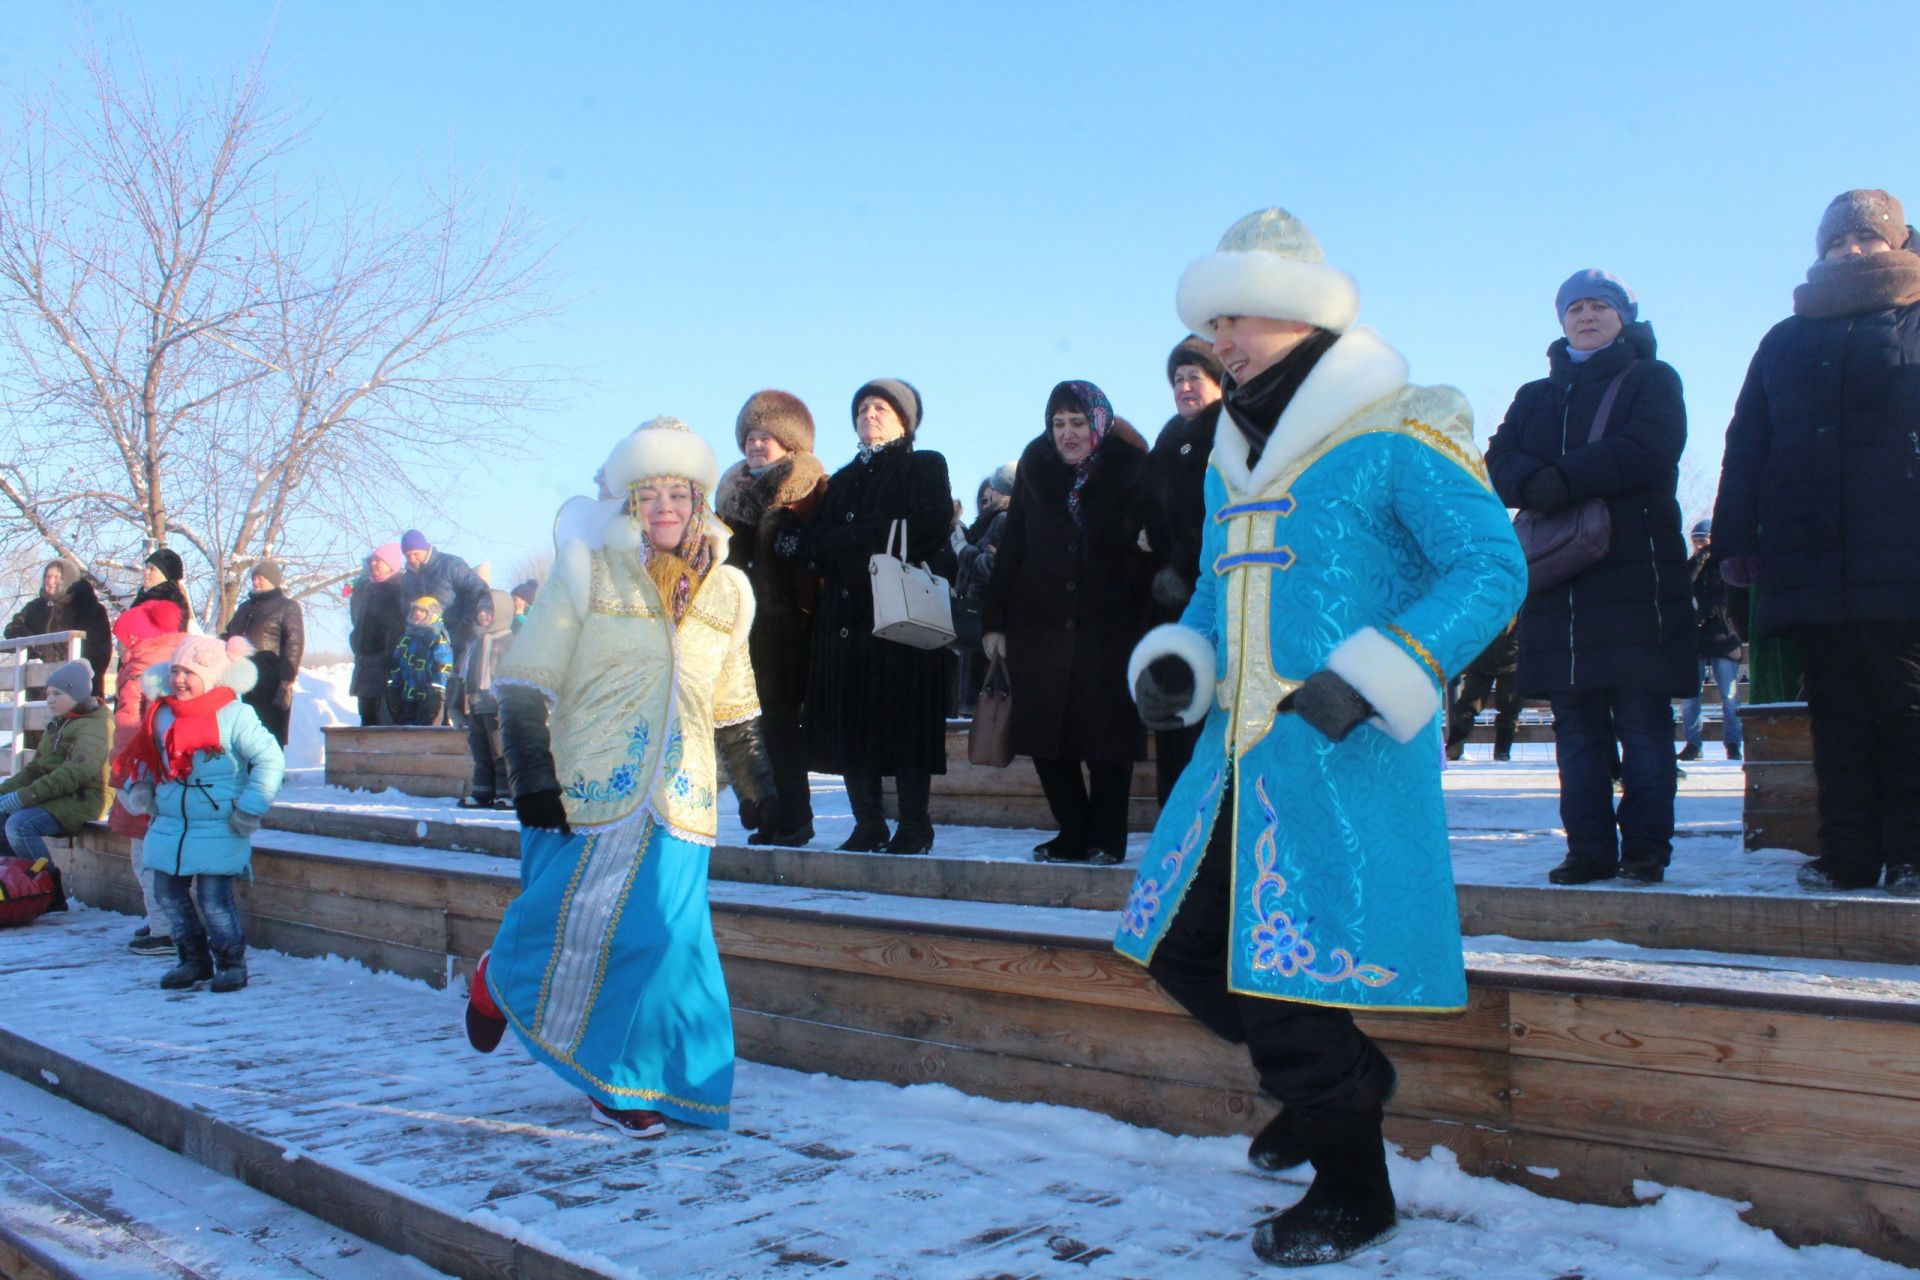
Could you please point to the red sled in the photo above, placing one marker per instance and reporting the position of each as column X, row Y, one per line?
column 29, row 888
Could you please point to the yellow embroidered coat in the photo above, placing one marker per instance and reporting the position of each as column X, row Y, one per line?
column 633, row 702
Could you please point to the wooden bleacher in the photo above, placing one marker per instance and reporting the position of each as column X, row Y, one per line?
column 23, row 684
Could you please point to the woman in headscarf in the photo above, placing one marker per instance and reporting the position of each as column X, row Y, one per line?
column 631, row 668
column 1066, row 605
column 877, row 708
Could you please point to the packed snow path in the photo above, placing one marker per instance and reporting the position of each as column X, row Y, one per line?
column 371, row 1074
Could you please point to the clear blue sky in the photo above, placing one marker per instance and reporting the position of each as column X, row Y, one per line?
column 988, row 198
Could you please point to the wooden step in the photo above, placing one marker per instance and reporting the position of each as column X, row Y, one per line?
column 1794, row 1091
column 1877, row 930
column 1782, row 800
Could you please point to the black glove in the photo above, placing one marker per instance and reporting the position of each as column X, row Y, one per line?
column 1546, row 491
column 1170, row 590
column 1163, row 693
column 524, row 741
column 542, row 811
column 1329, row 704
column 752, row 774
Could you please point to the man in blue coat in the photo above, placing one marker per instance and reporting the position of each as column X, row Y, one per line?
column 1352, row 559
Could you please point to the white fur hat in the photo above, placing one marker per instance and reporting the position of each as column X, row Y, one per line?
column 663, row 447
column 1268, row 264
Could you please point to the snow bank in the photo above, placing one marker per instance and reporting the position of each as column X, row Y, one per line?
column 321, row 697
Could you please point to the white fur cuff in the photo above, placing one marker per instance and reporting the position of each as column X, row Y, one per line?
column 1170, row 639
column 1400, row 688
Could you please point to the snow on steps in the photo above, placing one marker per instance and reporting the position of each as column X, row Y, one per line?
column 1792, row 1086
column 83, row 1199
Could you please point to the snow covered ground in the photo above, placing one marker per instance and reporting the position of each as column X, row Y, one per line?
column 1504, row 818
column 819, row 1177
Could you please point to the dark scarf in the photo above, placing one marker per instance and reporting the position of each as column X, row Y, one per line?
column 1860, row 285
column 165, row 589
column 1256, row 407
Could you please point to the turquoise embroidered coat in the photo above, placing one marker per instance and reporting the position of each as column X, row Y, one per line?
column 1366, row 541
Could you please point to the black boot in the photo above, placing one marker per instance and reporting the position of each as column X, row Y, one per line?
column 1348, row 1208
column 59, row 890
column 1276, row 1147
column 1574, row 870
column 912, row 837
column 866, row 838
column 230, row 967
column 195, row 967
column 1831, row 875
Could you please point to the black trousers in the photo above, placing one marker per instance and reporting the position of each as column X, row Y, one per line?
column 1090, row 816
column 1863, row 693
column 373, row 711
column 264, row 698
column 786, row 743
column 1477, row 689
column 489, row 757
column 1312, row 1058
column 914, row 785
column 1172, row 749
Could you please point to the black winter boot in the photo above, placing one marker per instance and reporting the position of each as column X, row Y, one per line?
column 867, row 837
column 230, row 967
column 195, row 967
column 1348, row 1208
column 1831, row 875
column 911, row 837
column 1574, row 870
column 1276, row 1147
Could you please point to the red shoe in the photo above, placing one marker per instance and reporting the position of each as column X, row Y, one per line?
column 635, row 1124
column 485, row 1025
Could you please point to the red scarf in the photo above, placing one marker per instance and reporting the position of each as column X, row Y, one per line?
column 195, row 728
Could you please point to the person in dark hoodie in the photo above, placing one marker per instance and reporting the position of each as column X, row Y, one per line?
column 1177, row 506
column 377, row 609
column 1064, row 608
column 977, row 554
column 67, row 602
column 1819, row 511
column 271, row 620
column 766, row 496
column 1613, row 645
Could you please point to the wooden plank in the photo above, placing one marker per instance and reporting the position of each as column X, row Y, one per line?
column 472, row 893
column 1852, row 1135
column 1023, row 883
column 301, row 939
column 348, row 763
column 1735, row 1044
column 20, row 1260
column 468, row 937
column 452, row 834
column 1803, row 1208
column 1878, row 930
column 406, row 784
column 31, row 717
column 1024, row 812
column 416, row 927
column 866, row 1055
column 395, row 739
column 1777, row 731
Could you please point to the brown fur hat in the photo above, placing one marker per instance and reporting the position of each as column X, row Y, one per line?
column 781, row 415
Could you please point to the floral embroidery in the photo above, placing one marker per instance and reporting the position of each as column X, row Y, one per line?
column 681, row 786
column 1282, row 944
column 625, row 778
column 1143, row 904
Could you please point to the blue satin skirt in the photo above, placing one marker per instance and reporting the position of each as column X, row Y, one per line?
column 606, row 968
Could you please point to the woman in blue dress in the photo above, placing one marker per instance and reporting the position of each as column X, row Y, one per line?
column 630, row 671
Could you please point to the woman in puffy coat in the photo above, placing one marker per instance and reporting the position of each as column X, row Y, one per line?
column 1065, row 607
column 377, row 609
column 146, row 634
column 876, row 707
column 207, row 770
column 1613, row 645
column 1819, row 510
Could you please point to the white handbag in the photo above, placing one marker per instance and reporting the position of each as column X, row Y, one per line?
column 911, row 603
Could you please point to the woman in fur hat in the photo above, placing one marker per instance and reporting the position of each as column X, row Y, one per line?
column 767, row 496
column 632, row 667
column 876, row 708
column 207, row 770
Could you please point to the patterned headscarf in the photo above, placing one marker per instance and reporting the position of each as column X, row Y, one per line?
column 1081, row 397
column 676, row 573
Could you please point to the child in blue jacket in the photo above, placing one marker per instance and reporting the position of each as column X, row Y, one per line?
column 207, row 770
column 422, row 662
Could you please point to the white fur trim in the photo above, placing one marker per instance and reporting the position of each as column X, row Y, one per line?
column 1256, row 283
column 1170, row 639
column 1398, row 685
column 1355, row 372
column 663, row 447
column 744, row 604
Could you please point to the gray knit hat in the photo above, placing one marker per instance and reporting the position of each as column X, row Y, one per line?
column 1001, row 481
column 1865, row 209
column 75, row 679
column 270, row 570
column 903, row 396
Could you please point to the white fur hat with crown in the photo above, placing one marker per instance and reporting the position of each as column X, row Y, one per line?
column 1267, row 264
column 664, row 446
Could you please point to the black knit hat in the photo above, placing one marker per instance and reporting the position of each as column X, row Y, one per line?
column 1197, row 352
column 903, row 396
column 528, row 591
column 168, row 562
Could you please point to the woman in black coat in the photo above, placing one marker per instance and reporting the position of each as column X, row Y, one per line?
column 1819, row 510
column 67, row 602
column 765, row 497
column 1066, row 605
column 1613, row 645
column 876, row 707
column 271, row 620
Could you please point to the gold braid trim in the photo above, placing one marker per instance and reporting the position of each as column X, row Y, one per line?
column 1420, row 651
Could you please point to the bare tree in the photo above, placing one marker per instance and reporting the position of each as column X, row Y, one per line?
column 192, row 353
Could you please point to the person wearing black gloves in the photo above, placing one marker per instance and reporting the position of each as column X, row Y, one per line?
column 630, row 671
column 1352, row 557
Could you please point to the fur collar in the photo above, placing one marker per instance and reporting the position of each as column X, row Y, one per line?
column 1355, row 372
column 744, row 497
